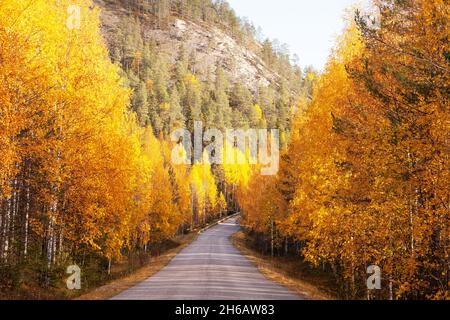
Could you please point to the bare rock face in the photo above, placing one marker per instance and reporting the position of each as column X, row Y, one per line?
column 208, row 44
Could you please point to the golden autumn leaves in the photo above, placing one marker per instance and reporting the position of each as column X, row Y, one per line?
column 365, row 178
column 363, row 181
column 77, row 173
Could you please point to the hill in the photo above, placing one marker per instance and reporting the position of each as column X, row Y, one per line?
column 196, row 60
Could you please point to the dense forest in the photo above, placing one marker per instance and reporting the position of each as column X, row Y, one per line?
column 168, row 95
column 365, row 179
column 86, row 175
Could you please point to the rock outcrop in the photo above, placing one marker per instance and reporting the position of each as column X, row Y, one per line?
column 210, row 45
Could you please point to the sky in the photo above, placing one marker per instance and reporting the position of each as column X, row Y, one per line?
column 308, row 27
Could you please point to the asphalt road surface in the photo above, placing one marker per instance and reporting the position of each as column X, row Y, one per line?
column 210, row 268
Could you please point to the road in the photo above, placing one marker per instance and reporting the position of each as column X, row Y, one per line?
column 210, row 268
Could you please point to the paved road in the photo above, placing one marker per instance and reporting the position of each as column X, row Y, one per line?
column 210, row 268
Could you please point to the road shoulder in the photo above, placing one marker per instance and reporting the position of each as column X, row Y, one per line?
column 116, row 286
column 276, row 270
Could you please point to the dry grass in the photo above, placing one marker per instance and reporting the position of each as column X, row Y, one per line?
column 156, row 264
column 287, row 271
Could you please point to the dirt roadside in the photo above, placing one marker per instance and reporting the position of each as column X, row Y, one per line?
column 284, row 272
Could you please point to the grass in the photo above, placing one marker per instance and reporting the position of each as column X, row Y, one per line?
column 291, row 272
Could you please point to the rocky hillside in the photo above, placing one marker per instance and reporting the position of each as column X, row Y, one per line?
column 196, row 60
column 210, row 45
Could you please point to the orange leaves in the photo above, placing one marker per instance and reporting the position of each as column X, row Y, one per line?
column 368, row 159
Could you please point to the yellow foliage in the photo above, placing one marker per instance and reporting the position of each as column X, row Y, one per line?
column 164, row 106
column 258, row 111
column 192, row 79
column 365, row 168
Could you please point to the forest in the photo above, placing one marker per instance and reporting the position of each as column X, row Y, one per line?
column 86, row 175
column 365, row 178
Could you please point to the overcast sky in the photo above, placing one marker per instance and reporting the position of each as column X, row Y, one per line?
column 308, row 27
